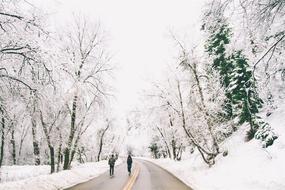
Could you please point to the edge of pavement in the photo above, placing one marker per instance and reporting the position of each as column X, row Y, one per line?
column 190, row 185
column 87, row 179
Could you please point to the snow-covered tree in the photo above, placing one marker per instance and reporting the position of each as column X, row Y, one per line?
column 236, row 75
column 87, row 65
column 216, row 46
column 246, row 101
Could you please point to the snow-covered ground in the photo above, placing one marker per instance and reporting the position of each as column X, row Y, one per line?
column 13, row 173
column 247, row 166
column 37, row 177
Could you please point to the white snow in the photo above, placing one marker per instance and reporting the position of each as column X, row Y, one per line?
column 13, row 173
column 60, row 180
column 248, row 166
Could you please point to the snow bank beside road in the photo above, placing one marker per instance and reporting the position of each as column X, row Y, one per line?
column 247, row 166
column 60, row 180
column 13, row 173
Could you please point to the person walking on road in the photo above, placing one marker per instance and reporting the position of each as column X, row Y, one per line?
column 111, row 162
column 129, row 162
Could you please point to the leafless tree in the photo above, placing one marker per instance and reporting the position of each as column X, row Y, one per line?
column 88, row 64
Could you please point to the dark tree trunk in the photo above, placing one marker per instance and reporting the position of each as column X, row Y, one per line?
column 52, row 165
column 74, row 148
column 35, row 143
column 59, row 159
column 36, row 146
column 59, row 154
column 66, row 159
column 80, row 152
column 66, row 164
column 179, row 152
column 100, row 149
column 2, row 138
column 101, row 142
column 13, row 145
column 51, row 148
column 20, row 149
column 173, row 144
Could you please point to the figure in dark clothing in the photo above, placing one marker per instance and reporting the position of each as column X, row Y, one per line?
column 111, row 162
column 129, row 162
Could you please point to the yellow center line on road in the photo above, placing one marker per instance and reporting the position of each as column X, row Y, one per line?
column 132, row 179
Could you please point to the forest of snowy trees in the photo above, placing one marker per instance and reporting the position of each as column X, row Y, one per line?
column 54, row 89
column 56, row 86
column 234, row 78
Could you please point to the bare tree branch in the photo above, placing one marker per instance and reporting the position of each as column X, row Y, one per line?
column 18, row 80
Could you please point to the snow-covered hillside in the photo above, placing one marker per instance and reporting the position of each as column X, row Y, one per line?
column 247, row 166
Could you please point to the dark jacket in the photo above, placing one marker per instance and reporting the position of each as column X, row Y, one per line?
column 129, row 160
column 112, row 161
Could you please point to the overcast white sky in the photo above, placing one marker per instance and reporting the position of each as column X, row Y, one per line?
column 139, row 39
column 139, row 35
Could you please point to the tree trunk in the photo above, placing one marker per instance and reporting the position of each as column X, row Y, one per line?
column 173, row 144
column 74, row 148
column 179, row 152
column 66, row 158
column 52, row 165
column 66, row 164
column 80, row 157
column 190, row 135
column 2, row 138
column 165, row 142
column 59, row 154
column 101, row 142
column 24, row 133
column 207, row 115
column 51, row 148
column 100, row 149
column 20, row 149
column 13, row 145
column 36, row 147
column 35, row 143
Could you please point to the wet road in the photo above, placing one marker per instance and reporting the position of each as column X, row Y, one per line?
column 145, row 176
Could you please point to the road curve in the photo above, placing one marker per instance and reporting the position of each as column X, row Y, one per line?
column 154, row 177
column 145, row 176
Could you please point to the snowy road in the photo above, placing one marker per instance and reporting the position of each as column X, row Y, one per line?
column 145, row 175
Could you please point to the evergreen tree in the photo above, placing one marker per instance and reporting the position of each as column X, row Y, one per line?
column 219, row 37
column 245, row 100
column 242, row 88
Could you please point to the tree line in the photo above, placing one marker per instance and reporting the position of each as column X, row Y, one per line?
column 55, row 87
column 233, row 79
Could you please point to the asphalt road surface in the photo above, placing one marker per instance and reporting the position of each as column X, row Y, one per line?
column 145, row 176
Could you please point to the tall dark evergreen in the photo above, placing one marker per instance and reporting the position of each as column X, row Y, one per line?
column 243, row 103
column 219, row 37
column 246, row 101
